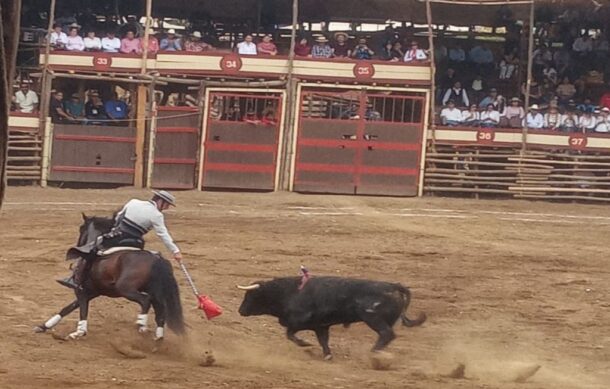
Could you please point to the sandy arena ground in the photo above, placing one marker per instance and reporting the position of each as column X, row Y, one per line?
column 507, row 286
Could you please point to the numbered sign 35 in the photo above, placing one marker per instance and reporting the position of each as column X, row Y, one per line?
column 230, row 63
column 577, row 141
column 363, row 70
column 485, row 135
column 102, row 62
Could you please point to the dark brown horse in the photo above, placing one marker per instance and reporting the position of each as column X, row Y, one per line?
column 140, row 276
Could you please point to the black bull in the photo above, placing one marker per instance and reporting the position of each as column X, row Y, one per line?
column 327, row 301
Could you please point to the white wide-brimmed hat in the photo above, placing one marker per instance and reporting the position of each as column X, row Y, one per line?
column 171, row 31
column 535, row 107
column 197, row 34
column 165, row 196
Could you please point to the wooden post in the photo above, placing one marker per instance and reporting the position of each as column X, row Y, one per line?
column 147, row 26
column 432, row 71
column 292, row 110
column 141, row 109
column 46, row 154
column 47, row 78
column 528, row 85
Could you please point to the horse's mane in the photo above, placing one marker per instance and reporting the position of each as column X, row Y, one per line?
column 102, row 224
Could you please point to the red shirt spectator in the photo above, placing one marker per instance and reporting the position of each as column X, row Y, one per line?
column 605, row 100
column 266, row 47
column 153, row 43
column 302, row 49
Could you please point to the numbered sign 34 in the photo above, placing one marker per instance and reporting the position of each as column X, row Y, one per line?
column 578, row 141
column 485, row 135
column 102, row 62
column 230, row 63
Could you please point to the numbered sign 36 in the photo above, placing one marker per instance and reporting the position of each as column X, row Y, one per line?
column 230, row 63
column 485, row 135
column 577, row 141
column 101, row 62
column 363, row 70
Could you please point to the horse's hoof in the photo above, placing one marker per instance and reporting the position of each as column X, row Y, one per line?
column 40, row 329
column 328, row 357
column 158, row 339
column 142, row 329
column 77, row 335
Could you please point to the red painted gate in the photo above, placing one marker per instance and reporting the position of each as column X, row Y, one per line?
column 359, row 142
column 241, row 143
column 175, row 149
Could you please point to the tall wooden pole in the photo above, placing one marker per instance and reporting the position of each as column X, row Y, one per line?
column 46, row 80
column 528, row 85
column 432, row 70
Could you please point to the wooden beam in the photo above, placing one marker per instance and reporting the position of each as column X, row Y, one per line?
column 141, row 109
column 530, row 61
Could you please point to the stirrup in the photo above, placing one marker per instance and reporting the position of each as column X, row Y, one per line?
column 69, row 283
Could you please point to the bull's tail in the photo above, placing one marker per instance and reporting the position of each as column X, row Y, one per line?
column 164, row 289
column 403, row 316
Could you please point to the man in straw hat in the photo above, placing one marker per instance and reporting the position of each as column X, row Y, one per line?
column 341, row 48
column 171, row 42
column 322, row 49
column 196, row 44
column 134, row 221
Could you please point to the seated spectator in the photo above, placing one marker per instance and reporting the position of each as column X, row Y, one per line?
column 116, row 110
column 562, row 60
column 482, row 57
column 26, row 99
column 457, row 94
column 603, row 121
column 302, row 48
column 152, row 47
column 451, row 116
column 587, row 122
column 534, row 118
column 508, row 65
column 604, row 101
column 565, row 90
column 552, row 119
column 490, row 118
column 583, row 44
column 56, row 109
column 362, row 50
column 132, row 25
column 586, row 106
column 75, row 107
column 58, row 38
column 549, row 73
column 94, row 109
column 110, row 43
column 457, row 57
column 536, row 91
column 570, row 120
column 196, row 44
column 513, row 114
column 130, row 44
column 445, row 83
column 540, row 56
column 247, row 47
column 471, row 117
column 267, row 47
column 386, row 52
column 171, row 42
column 321, row 49
column 397, row 51
column 415, row 54
column 75, row 42
column 341, row 47
column 494, row 99
column 92, row 42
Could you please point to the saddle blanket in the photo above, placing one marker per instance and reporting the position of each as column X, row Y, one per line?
column 113, row 250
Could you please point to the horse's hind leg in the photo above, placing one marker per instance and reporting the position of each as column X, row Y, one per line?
column 159, row 319
column 143, row 300
column 53, row 321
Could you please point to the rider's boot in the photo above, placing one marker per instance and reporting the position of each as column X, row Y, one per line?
column 75, row 280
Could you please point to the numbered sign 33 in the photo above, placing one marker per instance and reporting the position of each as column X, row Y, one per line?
column 102, row 62
column 363, row 70
column 485, row 135
column 577, row 141
column 230, row 63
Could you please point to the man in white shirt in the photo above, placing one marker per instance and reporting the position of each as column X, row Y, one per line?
column 247, row 47
column 26, row 99
column 471, row 116
column 110, row 43
column 92, row 42
column 451, row 116
column 58, row 38
column 415, row 54
column 603, row 121
column 490, row 118
column 534, row 118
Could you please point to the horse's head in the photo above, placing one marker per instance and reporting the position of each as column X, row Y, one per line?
column 93, row 227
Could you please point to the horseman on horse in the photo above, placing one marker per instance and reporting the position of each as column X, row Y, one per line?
column 136, row 219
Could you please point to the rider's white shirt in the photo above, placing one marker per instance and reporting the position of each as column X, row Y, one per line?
column 146, row 215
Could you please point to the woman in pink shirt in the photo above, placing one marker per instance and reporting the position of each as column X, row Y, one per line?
column 266, row 47
column 75, row 42
column 153, row 43
column 130, row 44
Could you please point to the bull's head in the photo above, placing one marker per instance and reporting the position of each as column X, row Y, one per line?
column 255, row 301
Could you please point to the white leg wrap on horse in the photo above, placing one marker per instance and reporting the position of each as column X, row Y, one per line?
column 159, row 333
column 142, row 320
column 82, row 326
column 52, row 322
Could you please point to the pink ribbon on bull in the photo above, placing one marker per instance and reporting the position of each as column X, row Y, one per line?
column 304, row 278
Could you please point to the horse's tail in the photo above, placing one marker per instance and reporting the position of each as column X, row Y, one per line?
column 406, row 293
column 164, row 289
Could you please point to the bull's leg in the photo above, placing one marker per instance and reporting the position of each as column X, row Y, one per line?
column 159, row 319
column 322, row 335
column 383, row 329
column 144, row 301
column 291, row 334
column 53, row 321
column 83, row 303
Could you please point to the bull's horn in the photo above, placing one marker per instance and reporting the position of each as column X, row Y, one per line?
column 249, row 287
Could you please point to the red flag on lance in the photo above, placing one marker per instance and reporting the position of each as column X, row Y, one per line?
column 209, row 307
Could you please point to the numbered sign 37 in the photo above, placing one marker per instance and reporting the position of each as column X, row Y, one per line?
column 230, row 63
column 101, row 62
column 363, row 70
column 485, row 135
column 577, row 141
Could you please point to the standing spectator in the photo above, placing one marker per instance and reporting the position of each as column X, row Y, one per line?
column 321, row 49
column 583, row 45
column 482, row 57
column 552, row 119
column 451, row 116
column 490, row 118
column 471, row 117
column 603, row 121
column 92, row 42
column 457, row 57
column 110, row 43
column 513, row 114
column 457, row 94
column 587, row 122
column 58, row 38
column 445, row 83
column 152, row 47
column 116, row 109
column 566, row 90
column 94, row 109
column 362, row 50
column 536, row 91
column 540, row 56
column 341, row 48
column 196, row 45
column 534, row 118
column 549, row 73
column 132, row 25
column 302, row 48
column 267, row 47
column 130, row 44
column 75, row 107
column 494, row 99
column 570, row 120
column 26, row 99
column 415, row 54
column 75, row 42
column 171, row 42
column 477, row 87
column 56, row 108
column 562, row 60
column 247, row 47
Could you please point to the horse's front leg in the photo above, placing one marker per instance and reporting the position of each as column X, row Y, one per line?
column 53, row 321
column 83, row 303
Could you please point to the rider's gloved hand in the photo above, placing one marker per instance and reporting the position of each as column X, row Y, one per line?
column 178, row 256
